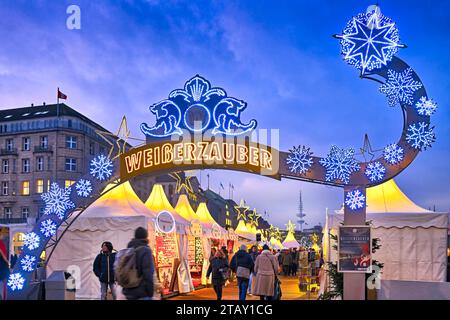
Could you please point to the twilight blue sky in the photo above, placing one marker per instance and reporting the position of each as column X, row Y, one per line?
column 278, row 56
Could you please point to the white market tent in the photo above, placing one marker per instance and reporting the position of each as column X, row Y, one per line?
column 413, row 240
column 290, row 242
column 112, row 217
column 158, row 202
column 243, row 231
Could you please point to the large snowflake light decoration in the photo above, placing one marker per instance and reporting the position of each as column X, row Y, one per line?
column 31, row 241
column 57, row 200
column 299, row 159
column 84, row 188
column 101, row 167
column 28, row 263
column 16, row 281
column 355, row 199
column 375, row 171
column 393, row 153
column 426, row 107
column 369, row 40
column 339, row 164
column 420, row 135
column 48, row 228
column 400, row 87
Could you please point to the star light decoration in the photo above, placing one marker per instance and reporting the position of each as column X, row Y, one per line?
column 271, row 231
column 339, row 164
column 400, row 87
column 355, row 199
column 375, row 171
column 420, row 135
column 253, row 218
column 241, row 210
column 184, row 183
column 57, row 201
column 426, row 107
column 369, row 40
column 393, row 153
column 277, row 233
column 299, row 159
column 118, row 140
column 290, row 227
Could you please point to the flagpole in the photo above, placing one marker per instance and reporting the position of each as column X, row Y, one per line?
column 57, row 103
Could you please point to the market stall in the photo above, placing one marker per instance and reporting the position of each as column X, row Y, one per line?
column 171, row 244
column 413, row 240
column 112, row 217
column 195, row 247
column 290, row 241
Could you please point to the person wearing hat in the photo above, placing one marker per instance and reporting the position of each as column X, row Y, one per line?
column 242, row 265
column 145, row 267
column 104, row 270
column 266, row 268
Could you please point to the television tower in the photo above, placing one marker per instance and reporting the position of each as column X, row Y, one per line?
column 300, row 214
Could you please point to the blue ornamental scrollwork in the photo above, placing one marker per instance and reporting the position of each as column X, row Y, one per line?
column 198, row 108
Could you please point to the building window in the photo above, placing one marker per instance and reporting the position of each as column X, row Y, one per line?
column 25, row 212
column 5, row 166
column 44, row 142
column 26, row 144
column 8, row 213
column 40, row 164
column 48, row 185
column 71, row 164
column 49, row 163
column 71, row 142
column 92, row 148
column 9, row 144
column 26, row 165
column 39, row 186
column 5, row 188
column 68, row 183
column 26, row 188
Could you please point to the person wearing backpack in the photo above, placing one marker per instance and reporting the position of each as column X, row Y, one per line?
column 135, row 268
column 242, row 265
column 104, row 270
column 219, row 269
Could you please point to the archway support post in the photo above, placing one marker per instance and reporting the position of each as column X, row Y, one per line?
column 354, row 283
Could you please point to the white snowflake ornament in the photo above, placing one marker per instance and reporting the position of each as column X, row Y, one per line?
column 375, row 171
column 400, row 87
column 84, row 188
column 57, row 201
column 420, row 135
column 31, row 241
column 426, row 107
column 15, row 281
column 299, row 159
column 101, row 167
column 355, row 200
column 393, row 153
column 339, row 164
column 28, row 263
column 48, row 228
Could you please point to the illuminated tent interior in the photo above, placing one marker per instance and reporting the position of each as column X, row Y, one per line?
column 184, row 209
column 276, row 244
column 112, row 217
column 290, row 241
column 177, row 240
column 243, row 232
column 208, row 221
column 413, row 240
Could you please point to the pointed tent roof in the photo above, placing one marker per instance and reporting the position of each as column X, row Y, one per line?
column 184, row 208
column 157, row 202
column 242, row 231
column 118, row 201
column 387, row 197
column 290, row 241
column 207, row 220
column 276, row 243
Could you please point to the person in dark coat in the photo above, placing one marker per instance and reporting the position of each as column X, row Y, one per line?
column 242, row 259
column 104, row 270
column 218, row 268
column 286, row 261
column 145, row 267
column 295, row 257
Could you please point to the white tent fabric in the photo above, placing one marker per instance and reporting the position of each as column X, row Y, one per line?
column 413, row 240
column 113, row 217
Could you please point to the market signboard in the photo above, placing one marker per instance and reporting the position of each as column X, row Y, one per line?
column 354, row 249
column 165, row 222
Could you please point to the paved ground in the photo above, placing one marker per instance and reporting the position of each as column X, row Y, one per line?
column 289, row 288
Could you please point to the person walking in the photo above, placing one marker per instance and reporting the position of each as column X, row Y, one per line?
column 266, row 267
column 104, row 270
column 219, row 270
column 253, row 253
column 242, row 265
column 145, row 267
column 295, row 256
column 212, row 254
column 287, row 261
